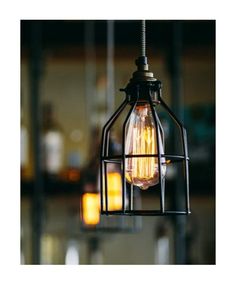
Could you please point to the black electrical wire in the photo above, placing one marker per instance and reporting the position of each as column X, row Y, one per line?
column 143, row 38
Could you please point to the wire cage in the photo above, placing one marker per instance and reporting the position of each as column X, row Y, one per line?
column 139, row 92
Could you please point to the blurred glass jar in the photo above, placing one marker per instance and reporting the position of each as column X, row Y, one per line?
column 52, row 142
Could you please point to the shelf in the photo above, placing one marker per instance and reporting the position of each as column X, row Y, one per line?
column 52, row 188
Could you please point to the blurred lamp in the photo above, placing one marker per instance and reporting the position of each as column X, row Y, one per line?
column 91, row 219
column 114, row 190
column 91, row 197
column 91, row 200
column 90, row 208
column 143, row 160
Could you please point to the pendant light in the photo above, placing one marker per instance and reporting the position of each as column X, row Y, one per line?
column 143, row 161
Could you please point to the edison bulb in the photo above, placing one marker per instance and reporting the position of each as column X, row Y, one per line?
column 141, row 139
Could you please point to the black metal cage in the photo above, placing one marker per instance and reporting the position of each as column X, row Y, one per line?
column 139, row 92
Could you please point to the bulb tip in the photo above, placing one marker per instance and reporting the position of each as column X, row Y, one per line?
column 144, row 187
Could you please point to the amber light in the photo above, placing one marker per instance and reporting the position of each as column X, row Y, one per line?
column 141, row 139
column 114, row 188
column 73, row 175
column 91, row 208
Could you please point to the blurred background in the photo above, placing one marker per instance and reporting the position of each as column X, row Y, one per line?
column 71, row 73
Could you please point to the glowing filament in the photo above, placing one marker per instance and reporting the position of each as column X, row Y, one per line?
column 141, row 140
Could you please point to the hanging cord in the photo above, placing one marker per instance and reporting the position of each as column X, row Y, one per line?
column 143, row 38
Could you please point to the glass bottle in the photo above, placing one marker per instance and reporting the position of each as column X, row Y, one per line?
column 52, row 143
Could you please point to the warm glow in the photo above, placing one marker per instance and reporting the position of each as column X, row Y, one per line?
column 91, row 208
column 141, row 139
column 73, row 175
column 114, row 189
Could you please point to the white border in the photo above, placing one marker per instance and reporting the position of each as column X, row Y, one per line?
column 11, row 13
